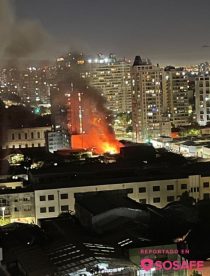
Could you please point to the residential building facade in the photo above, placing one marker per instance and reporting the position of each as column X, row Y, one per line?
column 147, row 99
column 176, row 104
column 31, row 206
column 202, row 99
column 25, row 137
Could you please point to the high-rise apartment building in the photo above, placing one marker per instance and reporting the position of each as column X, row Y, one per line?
column 112, row 78
column 202, row 99
column 147, row 99
column 33, row 87
column 9, row 81
column 176, row 96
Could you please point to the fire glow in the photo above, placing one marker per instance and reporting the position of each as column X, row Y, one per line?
column 90, row 124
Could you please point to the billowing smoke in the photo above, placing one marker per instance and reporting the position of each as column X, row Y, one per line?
column 18, row 38
column 89, row 119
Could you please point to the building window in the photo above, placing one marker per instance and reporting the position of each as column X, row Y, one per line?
column 170, row 198
column 39, row 145
column 38, row 135
column 156, row 199
column 26, row 145
column 26, row 199
column 183, row 186
column 206, row 196
column 64, row 196
column 43, row 210
column 50, row 197
column 32, row 135
column 26, row 136
column 19, row 136
column 32, row 145
column 156, row 188
column 42, row 198
column 64, row 208
column 16, row 209
column 27, row 208
column 129, row 191
column 51, row 209
column 206, row 184
column 13, row 136
column 19, row 146
column 142, row 190
column 170, row 187
column 143, row 200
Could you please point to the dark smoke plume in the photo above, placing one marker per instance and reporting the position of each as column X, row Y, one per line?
column 89, row 119
column 18, row 38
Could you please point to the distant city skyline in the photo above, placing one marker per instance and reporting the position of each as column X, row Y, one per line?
column 166, row 31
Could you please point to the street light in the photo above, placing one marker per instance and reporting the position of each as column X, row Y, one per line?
column 3, row 211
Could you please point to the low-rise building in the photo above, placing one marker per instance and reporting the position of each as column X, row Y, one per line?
column 17, row 205
column 50, row 202
column 53, row 196
column 57, row 140
column 25, row 137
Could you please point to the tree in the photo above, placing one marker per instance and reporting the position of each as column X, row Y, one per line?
column 186, row 199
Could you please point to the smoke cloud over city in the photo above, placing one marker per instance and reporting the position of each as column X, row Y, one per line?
column 90, row 121
column 19, row 38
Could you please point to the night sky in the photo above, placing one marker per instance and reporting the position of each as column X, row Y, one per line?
column 167, row 31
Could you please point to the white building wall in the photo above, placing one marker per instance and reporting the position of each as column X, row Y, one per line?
column 25, row 137
column 26, row 207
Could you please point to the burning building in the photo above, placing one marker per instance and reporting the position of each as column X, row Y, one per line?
column 89, row 123
column 88, row 120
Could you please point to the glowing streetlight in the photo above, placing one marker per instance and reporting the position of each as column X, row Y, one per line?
column 3, row 211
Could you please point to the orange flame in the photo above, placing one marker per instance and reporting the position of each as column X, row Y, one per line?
column 90, row 127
